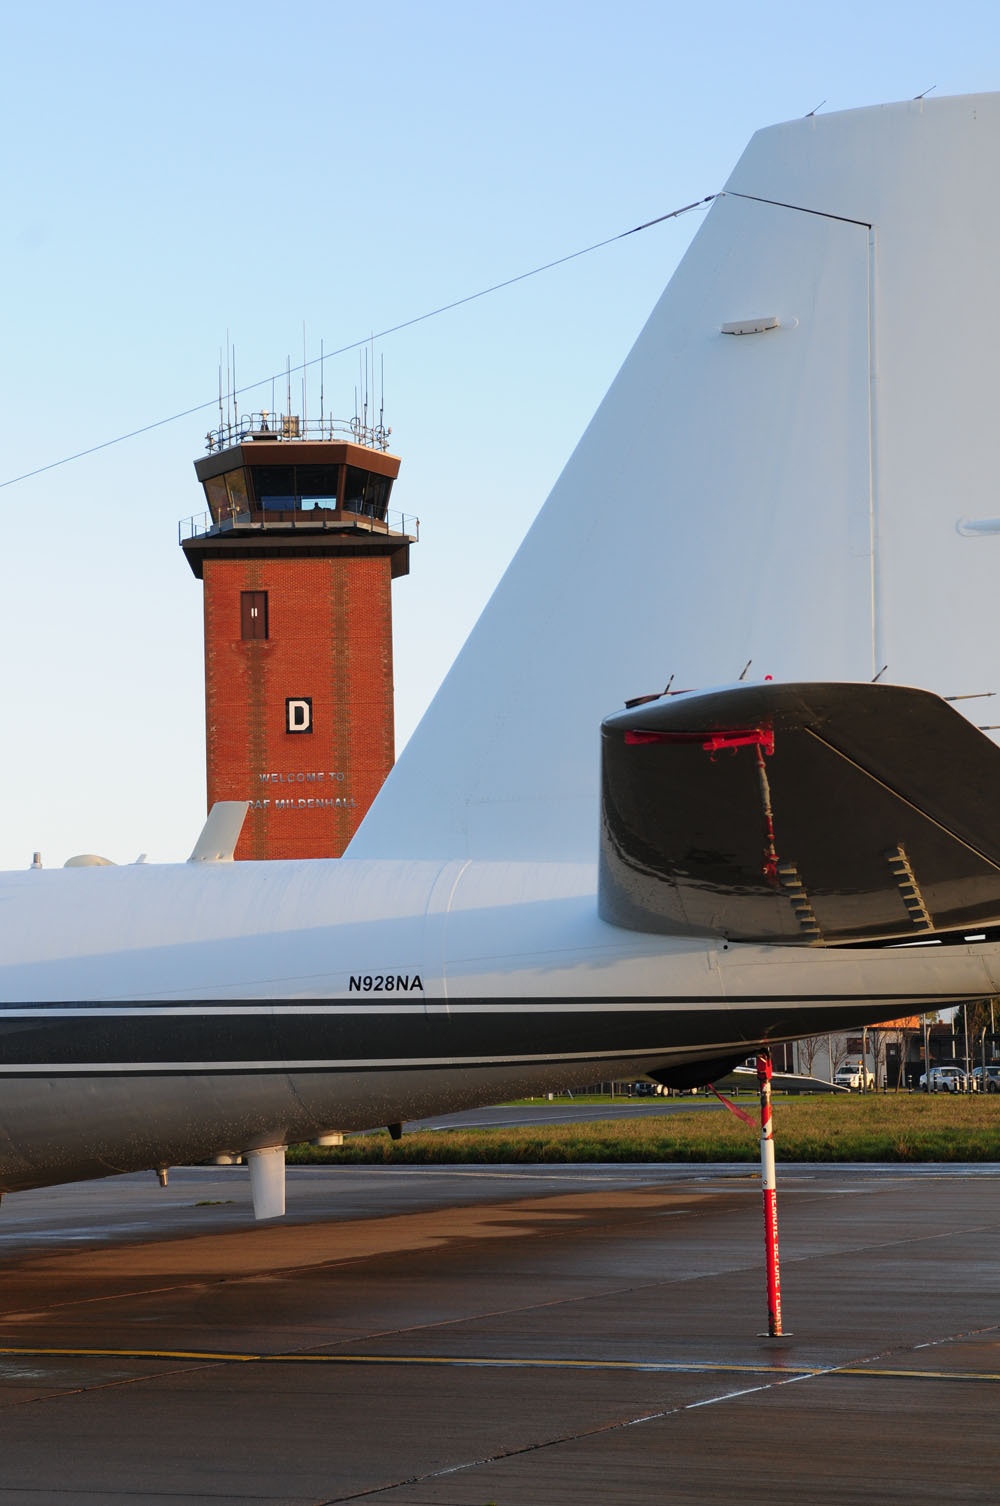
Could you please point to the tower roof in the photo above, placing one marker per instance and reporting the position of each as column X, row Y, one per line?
column 289, row 488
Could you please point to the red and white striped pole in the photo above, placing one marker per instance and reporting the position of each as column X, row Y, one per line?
column 769, row 1185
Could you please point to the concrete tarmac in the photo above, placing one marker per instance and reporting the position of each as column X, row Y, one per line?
column 525, row 1336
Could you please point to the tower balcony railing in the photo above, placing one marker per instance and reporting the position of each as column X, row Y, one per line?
column 311, row 520
column 271, row 428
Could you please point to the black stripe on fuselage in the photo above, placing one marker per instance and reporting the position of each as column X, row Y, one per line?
column 342, row 1036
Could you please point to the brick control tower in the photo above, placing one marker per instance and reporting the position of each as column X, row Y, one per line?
column 297, row 553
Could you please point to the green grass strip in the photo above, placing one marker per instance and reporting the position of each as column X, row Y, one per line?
column 903, row 1128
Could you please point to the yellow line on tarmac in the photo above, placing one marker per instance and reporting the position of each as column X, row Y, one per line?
column 943, row 1375
column 209, row 1356
column 651, row 1367
column 26, row 1352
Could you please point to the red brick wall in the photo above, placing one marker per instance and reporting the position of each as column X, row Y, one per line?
column 330, row 638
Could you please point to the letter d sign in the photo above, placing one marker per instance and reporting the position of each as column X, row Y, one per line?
column 298, row 714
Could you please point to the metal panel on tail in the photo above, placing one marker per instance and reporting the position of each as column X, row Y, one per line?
column 799, row 813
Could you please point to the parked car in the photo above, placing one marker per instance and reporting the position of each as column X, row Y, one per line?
column 988, row 1081
column 946, row 1080
column 855, row 1077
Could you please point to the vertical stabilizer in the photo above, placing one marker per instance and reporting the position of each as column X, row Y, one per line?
column 794, row 466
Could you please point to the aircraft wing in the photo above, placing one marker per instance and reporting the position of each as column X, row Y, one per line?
column 744, row 1077
column 799, row 813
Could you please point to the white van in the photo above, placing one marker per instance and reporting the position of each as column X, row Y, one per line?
column 856, row 1077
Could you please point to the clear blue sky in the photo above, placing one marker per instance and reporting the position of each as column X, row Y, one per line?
column 175, row 172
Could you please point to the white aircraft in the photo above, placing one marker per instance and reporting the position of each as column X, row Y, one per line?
column 796, row 466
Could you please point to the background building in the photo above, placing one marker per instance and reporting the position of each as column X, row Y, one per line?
column 297, row 553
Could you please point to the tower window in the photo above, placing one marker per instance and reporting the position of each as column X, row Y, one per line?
column 253, row 615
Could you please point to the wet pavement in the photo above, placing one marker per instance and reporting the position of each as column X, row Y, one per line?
column 523, row 1336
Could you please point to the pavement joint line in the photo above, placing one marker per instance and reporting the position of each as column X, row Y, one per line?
column 561, row 1440
column 651, row 1367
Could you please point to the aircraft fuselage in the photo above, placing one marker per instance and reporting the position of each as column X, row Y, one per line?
column 168, row 1014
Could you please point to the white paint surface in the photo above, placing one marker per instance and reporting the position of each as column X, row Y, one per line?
column 790, row 499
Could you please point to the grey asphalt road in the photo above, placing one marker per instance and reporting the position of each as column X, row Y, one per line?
column 562, row 1111
column 459, row 1336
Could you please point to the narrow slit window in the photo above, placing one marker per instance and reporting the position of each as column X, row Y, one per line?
column 253, row 615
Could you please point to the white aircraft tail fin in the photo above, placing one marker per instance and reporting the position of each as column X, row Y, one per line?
column 795, row 466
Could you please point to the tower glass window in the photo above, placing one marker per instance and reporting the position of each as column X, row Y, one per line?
column 275, row 487
column 236, row 483
column 292, row 488
column 227, row 496
column 316, row 485
column 366, row 493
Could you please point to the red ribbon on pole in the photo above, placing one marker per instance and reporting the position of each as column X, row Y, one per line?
column 733, row 1108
